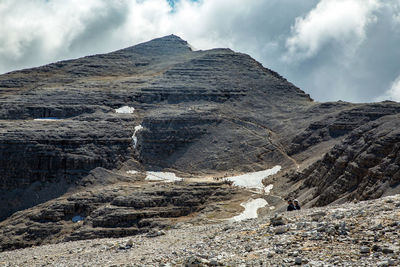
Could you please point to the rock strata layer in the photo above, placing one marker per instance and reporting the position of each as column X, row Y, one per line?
column 363, row 166
column 117, row 210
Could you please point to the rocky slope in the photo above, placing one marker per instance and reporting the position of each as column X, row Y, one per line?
column 71, row 131
column 354, row 234
column 364, row 166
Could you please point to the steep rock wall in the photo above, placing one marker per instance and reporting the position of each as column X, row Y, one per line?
column 366, row 165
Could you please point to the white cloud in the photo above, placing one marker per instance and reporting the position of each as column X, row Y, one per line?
column 396, row 12
column 145, row 20
column 35, row 32
column 340, row 21
column 393, row 93
column 396, row 18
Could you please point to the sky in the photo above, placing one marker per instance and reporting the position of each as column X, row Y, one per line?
column 332, row 49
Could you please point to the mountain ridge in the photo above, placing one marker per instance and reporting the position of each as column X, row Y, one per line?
column 200, row 114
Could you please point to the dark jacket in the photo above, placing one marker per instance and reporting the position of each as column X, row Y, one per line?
column 291, row 207
column 297, row 207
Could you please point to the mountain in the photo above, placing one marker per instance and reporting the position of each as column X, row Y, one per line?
column 78, row 137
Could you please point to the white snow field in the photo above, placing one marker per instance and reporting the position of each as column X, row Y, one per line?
column 250, row 209
column 125, row 110
column 162, row 176
column 47, row 119
column 254, row 179
column 134, row 138
column 158, row 176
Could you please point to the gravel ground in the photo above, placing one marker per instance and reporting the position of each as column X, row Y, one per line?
column 353, row 234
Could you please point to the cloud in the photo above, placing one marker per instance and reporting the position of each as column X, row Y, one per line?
column 396, row 13
column 393, row 93
column 342, row 49
column 36, row 32
column 340, row 22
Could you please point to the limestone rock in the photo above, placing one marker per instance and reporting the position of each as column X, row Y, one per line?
column 277, row 220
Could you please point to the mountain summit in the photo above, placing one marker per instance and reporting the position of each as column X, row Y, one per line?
column 80, row 137
column 164, row 46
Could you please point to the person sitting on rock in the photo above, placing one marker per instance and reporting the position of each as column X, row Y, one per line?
column 290, row 206
column 296, row 204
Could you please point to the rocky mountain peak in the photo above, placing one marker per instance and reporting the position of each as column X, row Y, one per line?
column 167, row 45
column 79, row 137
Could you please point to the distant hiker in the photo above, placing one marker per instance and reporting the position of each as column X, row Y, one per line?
column 290, row 206
column 296, row 204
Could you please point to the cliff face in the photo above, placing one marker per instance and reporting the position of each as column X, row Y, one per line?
column 161, row 106
column 365, row 165
column 40, row 160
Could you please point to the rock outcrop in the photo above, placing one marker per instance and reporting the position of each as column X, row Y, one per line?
column 348, row 118
column 114, row 210
column 364, row 166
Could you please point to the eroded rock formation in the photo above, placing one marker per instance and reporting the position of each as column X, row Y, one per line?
column 365, row 165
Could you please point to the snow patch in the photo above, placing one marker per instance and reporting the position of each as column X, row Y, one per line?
column 125, row 110
column 268, row 188
column 132, row 172
column 250, row 209
column 47, row 119
column 134, row 137
column 162, row 176
column 254, row 179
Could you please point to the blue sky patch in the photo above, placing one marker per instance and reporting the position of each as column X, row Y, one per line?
column 173, row 2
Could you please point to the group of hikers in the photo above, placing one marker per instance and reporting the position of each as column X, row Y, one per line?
column 293, row 205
